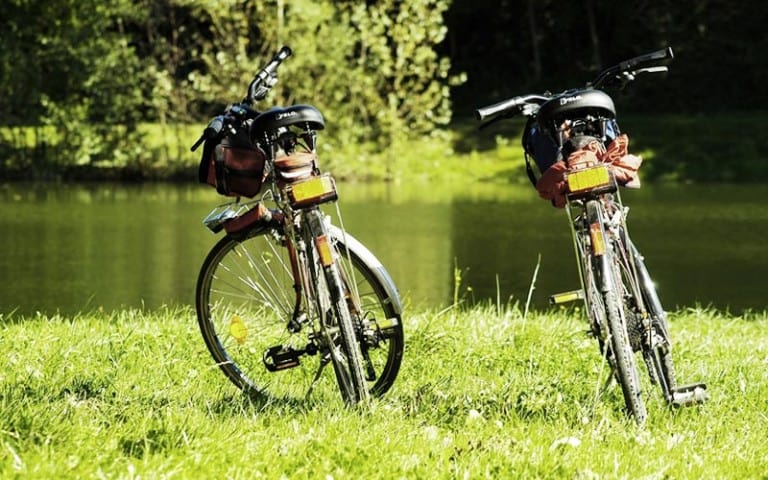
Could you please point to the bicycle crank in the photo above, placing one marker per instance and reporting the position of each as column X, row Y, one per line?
column 282, row 357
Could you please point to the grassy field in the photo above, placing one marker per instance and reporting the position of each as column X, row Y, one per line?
column 485, row 392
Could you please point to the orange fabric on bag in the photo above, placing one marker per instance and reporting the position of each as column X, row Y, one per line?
column 625, row 165
column 551, row 186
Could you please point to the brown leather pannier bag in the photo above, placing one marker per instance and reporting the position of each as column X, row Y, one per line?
column 234, row 170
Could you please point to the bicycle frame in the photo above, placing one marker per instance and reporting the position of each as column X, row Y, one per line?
column 582, row 157
column 246, row 280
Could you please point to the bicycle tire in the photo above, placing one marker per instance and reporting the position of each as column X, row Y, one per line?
column 659, row 353
column 376, row 294
column 349, row 366
column 249, row 278
column 606, row 270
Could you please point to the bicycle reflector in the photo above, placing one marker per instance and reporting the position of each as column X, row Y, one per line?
column 589, row 179
column 313, row 191
column 324, row 250
column 565, row 297
column 237, row 329
column 598, row 239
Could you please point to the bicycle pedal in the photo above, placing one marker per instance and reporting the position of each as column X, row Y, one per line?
column 281, row 358
column 687, row 395
column 565, row 297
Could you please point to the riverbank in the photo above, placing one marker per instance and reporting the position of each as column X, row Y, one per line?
column 679, row 148
column 485, row 392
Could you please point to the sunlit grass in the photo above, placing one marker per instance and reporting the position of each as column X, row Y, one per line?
column 483, row 393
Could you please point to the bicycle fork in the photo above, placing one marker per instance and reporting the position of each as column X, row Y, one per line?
column 349, row 366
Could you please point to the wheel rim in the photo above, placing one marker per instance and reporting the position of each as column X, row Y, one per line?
column 245, row 300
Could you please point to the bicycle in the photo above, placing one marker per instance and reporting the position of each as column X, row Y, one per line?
column 582, row 159
column 285, row 292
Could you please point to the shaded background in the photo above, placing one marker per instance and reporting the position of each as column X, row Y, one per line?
column 511, row 46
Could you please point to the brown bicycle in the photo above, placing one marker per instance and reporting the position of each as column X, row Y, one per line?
column 285, row 292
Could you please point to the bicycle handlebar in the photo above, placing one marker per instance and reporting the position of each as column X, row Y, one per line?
column 624, row 72
column 266, row 78
column 262, row 82
column 647, row 61
column 491, row 112
column 214, row 128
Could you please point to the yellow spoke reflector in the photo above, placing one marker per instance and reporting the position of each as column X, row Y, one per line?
column 237, row 329
column 588, row 178
column 598, row 239
column 326, row 258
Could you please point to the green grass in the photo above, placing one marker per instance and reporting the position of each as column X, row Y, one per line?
column 483, row 393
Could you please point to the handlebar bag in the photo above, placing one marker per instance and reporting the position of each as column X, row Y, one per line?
column 235, row 168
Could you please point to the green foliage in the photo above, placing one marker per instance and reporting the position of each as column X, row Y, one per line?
column 483, row 393
column 371, row 68
column 76, row 78
column 700, row 148
column 80, row 76
column 396, row 54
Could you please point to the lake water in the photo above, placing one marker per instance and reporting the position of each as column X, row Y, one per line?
column 72, row 248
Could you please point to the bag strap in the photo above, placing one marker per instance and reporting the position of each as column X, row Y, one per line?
column 529, row 170
column 205, row 162
column 526, row 147
column 219, row 170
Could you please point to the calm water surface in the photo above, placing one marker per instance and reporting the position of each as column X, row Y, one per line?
column 71, row 248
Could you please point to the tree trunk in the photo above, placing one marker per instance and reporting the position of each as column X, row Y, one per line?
column 593, row 35
column 535, row 49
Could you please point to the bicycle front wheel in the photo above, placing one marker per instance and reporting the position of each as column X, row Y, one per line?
column 246, row 301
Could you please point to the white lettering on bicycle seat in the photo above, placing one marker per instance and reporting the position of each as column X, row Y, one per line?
column 567, row 100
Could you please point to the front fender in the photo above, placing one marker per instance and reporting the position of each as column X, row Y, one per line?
column 358, row 250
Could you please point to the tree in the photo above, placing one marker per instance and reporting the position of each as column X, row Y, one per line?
column 79, row 77
column 372, row 69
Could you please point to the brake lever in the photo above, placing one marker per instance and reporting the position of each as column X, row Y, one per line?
column 264, row 89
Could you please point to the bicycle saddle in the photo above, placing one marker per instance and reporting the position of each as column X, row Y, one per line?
column 576, row 103
column 277, row 117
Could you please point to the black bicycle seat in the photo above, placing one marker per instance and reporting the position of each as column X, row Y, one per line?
column 277, row 117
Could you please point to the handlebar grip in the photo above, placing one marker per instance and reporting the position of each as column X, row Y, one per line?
column 214, row 126
column 211, row 131
column 281, row 55
column 284, row 52
column 266, row 78
column 484, row 113
column 652, row 59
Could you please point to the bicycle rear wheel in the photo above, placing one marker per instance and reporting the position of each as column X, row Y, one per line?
column 657, row 350
column 245, row 301
column 606, row 268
